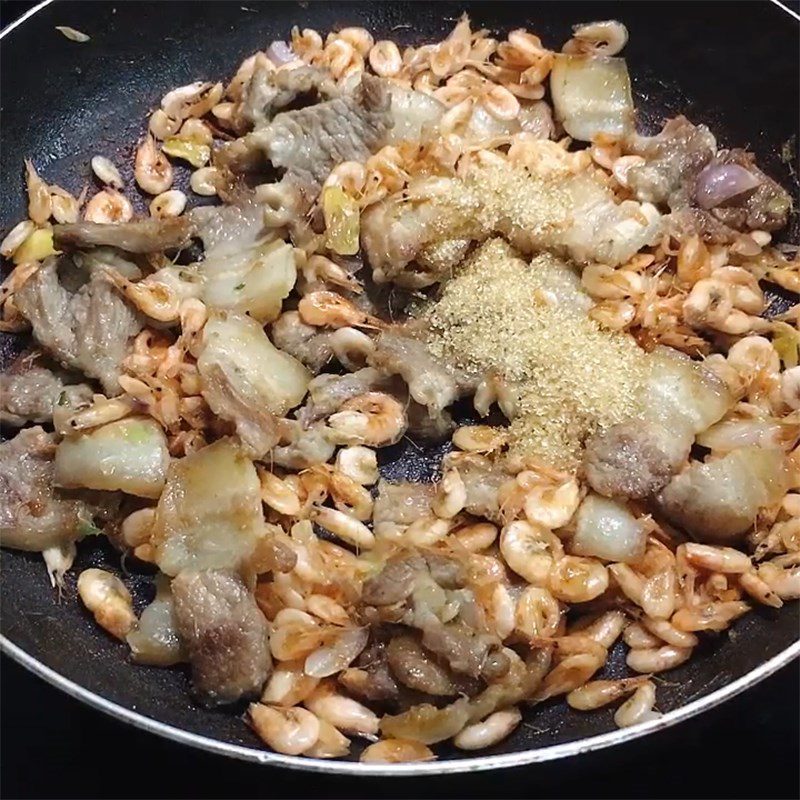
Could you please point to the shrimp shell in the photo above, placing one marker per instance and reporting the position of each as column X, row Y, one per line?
column 277, row 494
column 577, row 580
column 451, row 495
column 359, row 463
column 537, row 613
column 374, row 419
column 108, row 207
column 477, row 536
column 152, row 170
column 347, row 528
column 710, row 616
column 350, row 497
column 525, row 549
column 490, row 731
column 637, row 637
column 606, row 628
column 39, row 199
column 668, row 633
column 16, row 236
column 137, row 527
column 597, row 694
column 290, row 731
column 552, row 506
column 657, row 659
column 717, row 559
column 329, row 309
column 396, row 751
column 344, row 713
column 110, row 602
column 759, row 589
column 385, row 59
column 106, row 171
column 568, row 675
column 638, row 708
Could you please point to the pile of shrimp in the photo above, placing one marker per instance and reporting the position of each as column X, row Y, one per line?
column 705, row 300
column 687, row 294
column 467, row 66
column 524, row 583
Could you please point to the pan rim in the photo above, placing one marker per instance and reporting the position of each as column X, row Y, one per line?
column 474, row 764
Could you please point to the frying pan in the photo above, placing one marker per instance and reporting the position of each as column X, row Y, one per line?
column 730, row 65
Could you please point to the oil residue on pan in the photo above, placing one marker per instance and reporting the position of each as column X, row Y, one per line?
column 52, row 120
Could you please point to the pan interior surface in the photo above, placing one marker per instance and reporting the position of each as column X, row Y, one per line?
column 63, row 102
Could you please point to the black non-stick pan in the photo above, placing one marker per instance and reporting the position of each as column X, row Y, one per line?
column 732, row 65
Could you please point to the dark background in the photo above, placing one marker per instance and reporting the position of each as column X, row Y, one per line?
column 53, row 746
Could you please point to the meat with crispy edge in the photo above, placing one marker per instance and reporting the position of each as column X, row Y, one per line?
column 224, row 633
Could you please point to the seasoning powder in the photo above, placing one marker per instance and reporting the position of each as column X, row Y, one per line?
column 528, row 324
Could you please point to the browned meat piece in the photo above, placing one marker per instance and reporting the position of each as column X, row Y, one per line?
column 225, row 635
column 689, row 221
column 448, row 572
column 33, row 514
column 235, row 401
column 460, row 646
column 89, row 330
column 673, row 159
column 409, row 590
column 269, row 91
column 371, row 679
column 634, row 459
column 416, row 669
column 309, row 142
column 714, row 194
column 393, row 583
column 141, row 236
column 28, row 392
column 740, row 195
column 374, row 681
column 374, row 685
column 399, row 504
column 306, row 343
